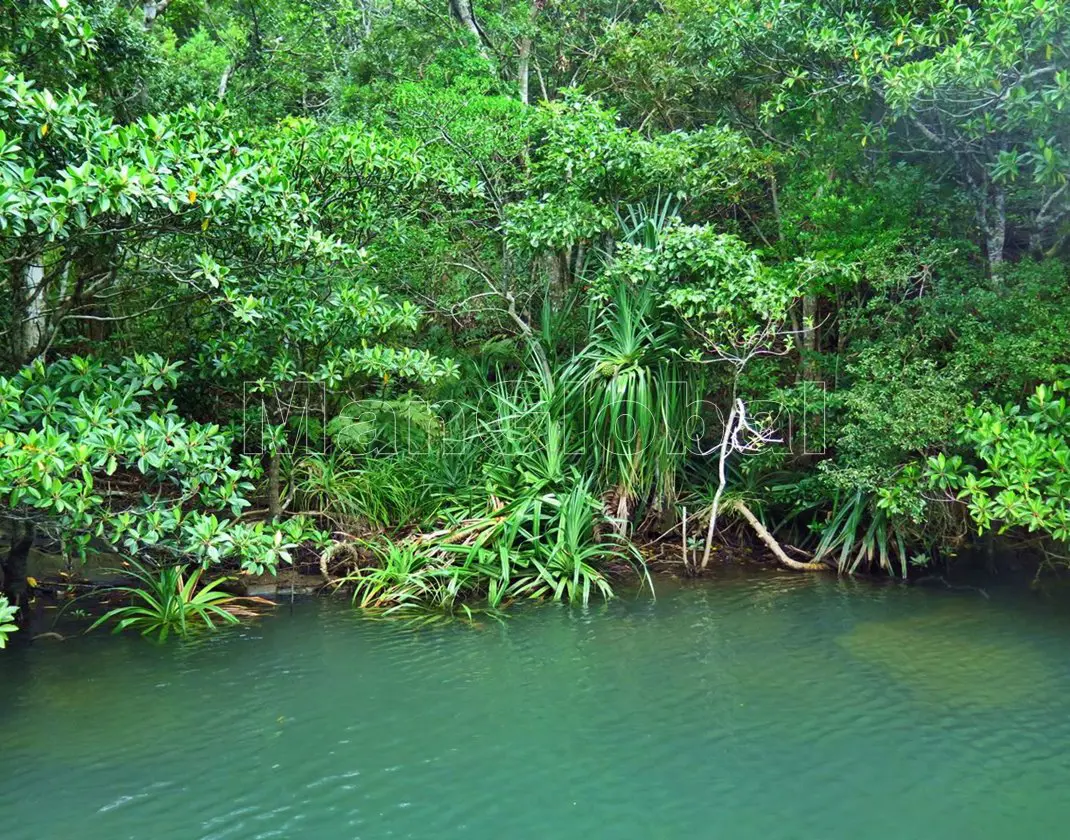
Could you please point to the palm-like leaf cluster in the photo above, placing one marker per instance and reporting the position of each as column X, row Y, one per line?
column 170, row 601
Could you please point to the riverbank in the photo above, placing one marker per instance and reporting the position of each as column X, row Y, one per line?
column 66, row 602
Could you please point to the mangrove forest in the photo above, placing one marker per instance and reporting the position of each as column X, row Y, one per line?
column 534, row 418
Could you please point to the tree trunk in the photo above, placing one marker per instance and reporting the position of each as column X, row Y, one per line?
column 811, row 337
column 580, row 255
column 559, row 271
column 224, row 80
column 366, row 10
column 524, row 60
column 152, row 10
column 523, row 72
column 32, row 322
column 462, row 11
column 13, row 569
column 1050, row 213
column 274, row 487
column 683, row 540
column 722, row 481
column 992, row 211
column 774, row 194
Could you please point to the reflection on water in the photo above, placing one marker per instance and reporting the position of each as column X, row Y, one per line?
column 771, row 706
column 957, row 654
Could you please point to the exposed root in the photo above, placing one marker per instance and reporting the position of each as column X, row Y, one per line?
column 245, row 607
column 332, row 551
column 773, row 545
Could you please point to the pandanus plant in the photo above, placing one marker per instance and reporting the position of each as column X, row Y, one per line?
column 637, row 403
column 168, row 601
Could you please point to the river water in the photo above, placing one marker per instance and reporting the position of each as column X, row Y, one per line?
column 768, row 706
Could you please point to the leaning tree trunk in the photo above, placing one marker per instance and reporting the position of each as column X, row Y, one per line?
column 1047, row 216
column 462, row 11
column 773, row 545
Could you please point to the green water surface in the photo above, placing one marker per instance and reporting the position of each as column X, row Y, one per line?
column 770, row 706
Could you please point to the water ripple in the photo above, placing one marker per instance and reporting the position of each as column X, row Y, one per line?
column 777, row 706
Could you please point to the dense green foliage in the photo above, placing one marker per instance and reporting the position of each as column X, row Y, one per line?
column 1022, row 479
column 466, row 302
column 7, row 620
